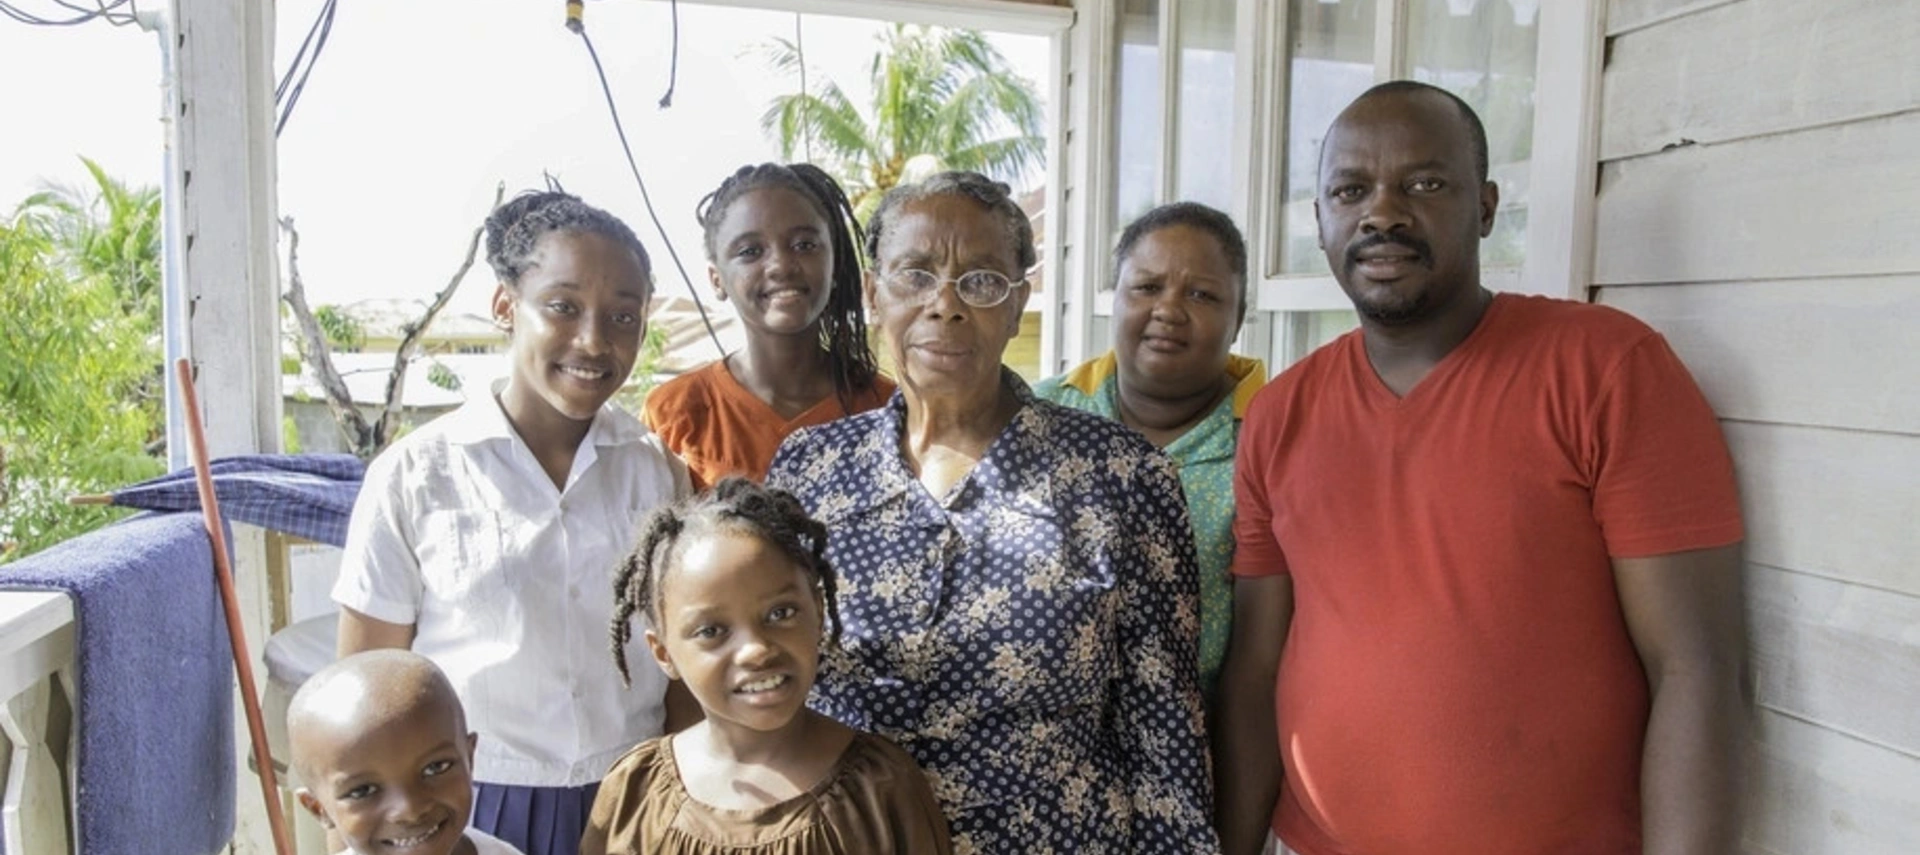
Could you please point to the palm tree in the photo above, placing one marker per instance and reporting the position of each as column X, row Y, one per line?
column 110, row 230
column 942, row 99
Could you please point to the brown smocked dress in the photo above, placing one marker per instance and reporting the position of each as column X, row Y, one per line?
column 875, row 801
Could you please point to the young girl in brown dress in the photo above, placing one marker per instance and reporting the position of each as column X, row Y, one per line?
column 737, row 598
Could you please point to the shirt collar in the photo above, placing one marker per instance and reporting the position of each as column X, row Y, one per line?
column 1099, row 378
column 482, row 419
column 1018, row 487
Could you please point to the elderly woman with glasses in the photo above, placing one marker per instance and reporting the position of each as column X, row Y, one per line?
column 1019, row 596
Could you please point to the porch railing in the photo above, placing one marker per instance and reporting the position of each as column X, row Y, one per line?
column 37, row 700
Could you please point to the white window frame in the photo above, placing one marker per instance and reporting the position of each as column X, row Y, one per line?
column 1562, row 171
column 1094, row 128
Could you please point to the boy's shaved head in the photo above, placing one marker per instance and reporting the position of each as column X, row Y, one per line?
column 365, row 692
column 381, row 747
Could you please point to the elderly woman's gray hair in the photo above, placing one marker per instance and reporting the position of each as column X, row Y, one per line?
column 996, row 197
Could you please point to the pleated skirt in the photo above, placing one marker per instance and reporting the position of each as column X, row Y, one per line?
column 537, row 820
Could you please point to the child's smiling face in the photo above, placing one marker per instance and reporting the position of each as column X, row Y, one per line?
column 741, row 624
column 386, row 762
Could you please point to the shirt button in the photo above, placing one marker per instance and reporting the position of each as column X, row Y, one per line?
column 922, row 611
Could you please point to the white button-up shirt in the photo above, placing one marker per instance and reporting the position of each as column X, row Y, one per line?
column 508, row 583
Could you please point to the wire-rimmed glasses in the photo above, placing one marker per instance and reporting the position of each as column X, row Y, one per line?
column 981, row 289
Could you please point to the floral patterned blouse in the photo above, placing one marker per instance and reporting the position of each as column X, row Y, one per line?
column 1030, row 638
column 1204, row 455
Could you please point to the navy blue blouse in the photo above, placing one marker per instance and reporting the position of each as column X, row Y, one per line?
column 1030, row 637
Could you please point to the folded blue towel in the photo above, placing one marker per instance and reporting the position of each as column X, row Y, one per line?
column 156, row 748
column 310, row 495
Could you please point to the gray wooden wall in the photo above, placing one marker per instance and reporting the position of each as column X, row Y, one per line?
column 1759, row 202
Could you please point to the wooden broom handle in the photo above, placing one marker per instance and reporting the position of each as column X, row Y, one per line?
column 236, row 632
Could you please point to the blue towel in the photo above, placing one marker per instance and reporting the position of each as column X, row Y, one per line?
column 156, row 753
column 310, row 495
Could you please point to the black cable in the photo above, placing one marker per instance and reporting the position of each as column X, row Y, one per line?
column 325, row 22
column 800, row 51
column 299, row 56
column 646, row 198
column 102, row 9
column 673, row 58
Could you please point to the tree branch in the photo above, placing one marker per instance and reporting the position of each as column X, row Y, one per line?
column 314, row 351
column 411, row 333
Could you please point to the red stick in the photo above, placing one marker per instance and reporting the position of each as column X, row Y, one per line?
column 236, row 633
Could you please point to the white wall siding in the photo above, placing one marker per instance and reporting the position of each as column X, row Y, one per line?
column 1825, row 352
column 1759, row 193
column 1835, row 200
column 1759, row 67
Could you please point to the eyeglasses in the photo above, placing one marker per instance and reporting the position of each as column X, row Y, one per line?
column 981, row 289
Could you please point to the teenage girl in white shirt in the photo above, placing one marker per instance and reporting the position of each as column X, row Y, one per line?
column 488, row 539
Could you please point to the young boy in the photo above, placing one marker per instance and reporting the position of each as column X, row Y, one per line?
column 381, row 745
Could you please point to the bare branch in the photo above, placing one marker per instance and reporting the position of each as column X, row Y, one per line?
column 314, row 351
column 411, row 333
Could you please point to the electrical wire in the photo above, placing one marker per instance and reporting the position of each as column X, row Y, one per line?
column 286, row 98
column 101, row 9
column 800, row 51
column 620, row 129
column 673, row 58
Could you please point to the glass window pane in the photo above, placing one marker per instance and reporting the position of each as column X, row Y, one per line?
column 1332, row 63
column 1204, row 160
column 1138, row 119
column 1484, row 52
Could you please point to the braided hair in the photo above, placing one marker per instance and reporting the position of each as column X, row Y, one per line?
column 735, row 505
column 843, row 326
column 515, row 228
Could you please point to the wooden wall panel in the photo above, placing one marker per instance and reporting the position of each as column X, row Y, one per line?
column 1634, row 14
column 1832, row 201
column 1843, row 656
column 1839, row 353
column 1839, row 504
column 1777, row 65
column 1816, row 792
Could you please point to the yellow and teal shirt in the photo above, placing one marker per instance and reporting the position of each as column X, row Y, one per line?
column 1204, row 456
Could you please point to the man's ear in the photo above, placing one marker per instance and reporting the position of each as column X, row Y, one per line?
column 867, row 283
column 312, row 804
column 1319, row 236
column 1489, row 203
column 660, row 656
column 473, row 743
column 713, row 278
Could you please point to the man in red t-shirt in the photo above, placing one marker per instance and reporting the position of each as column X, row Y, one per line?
column 1487, row 590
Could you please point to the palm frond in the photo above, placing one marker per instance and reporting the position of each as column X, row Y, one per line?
column 1007, row 159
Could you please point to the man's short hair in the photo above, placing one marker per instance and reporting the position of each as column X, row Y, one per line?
column 1476, row 131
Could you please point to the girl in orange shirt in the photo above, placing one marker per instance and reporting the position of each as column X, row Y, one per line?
column 782, row 246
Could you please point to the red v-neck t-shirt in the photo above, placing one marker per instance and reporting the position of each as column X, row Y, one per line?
column 1458, row 677
column 720, row 428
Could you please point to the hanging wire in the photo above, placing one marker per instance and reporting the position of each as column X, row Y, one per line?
column 800, row 49
column 286, row 98
column 575, row 24
column 103, row 10
column 673, row 61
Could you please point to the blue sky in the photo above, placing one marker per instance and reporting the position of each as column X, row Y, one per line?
column 418, row 108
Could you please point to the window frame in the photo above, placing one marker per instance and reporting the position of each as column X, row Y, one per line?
column 1562, row 170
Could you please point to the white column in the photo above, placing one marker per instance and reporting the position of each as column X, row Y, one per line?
column 223, row 79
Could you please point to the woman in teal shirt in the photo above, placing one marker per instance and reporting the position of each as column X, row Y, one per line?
column 1179, row 297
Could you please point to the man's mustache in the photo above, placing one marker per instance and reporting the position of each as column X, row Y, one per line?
column 1422, row 251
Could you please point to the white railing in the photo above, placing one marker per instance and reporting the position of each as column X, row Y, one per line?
column 37, row 711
